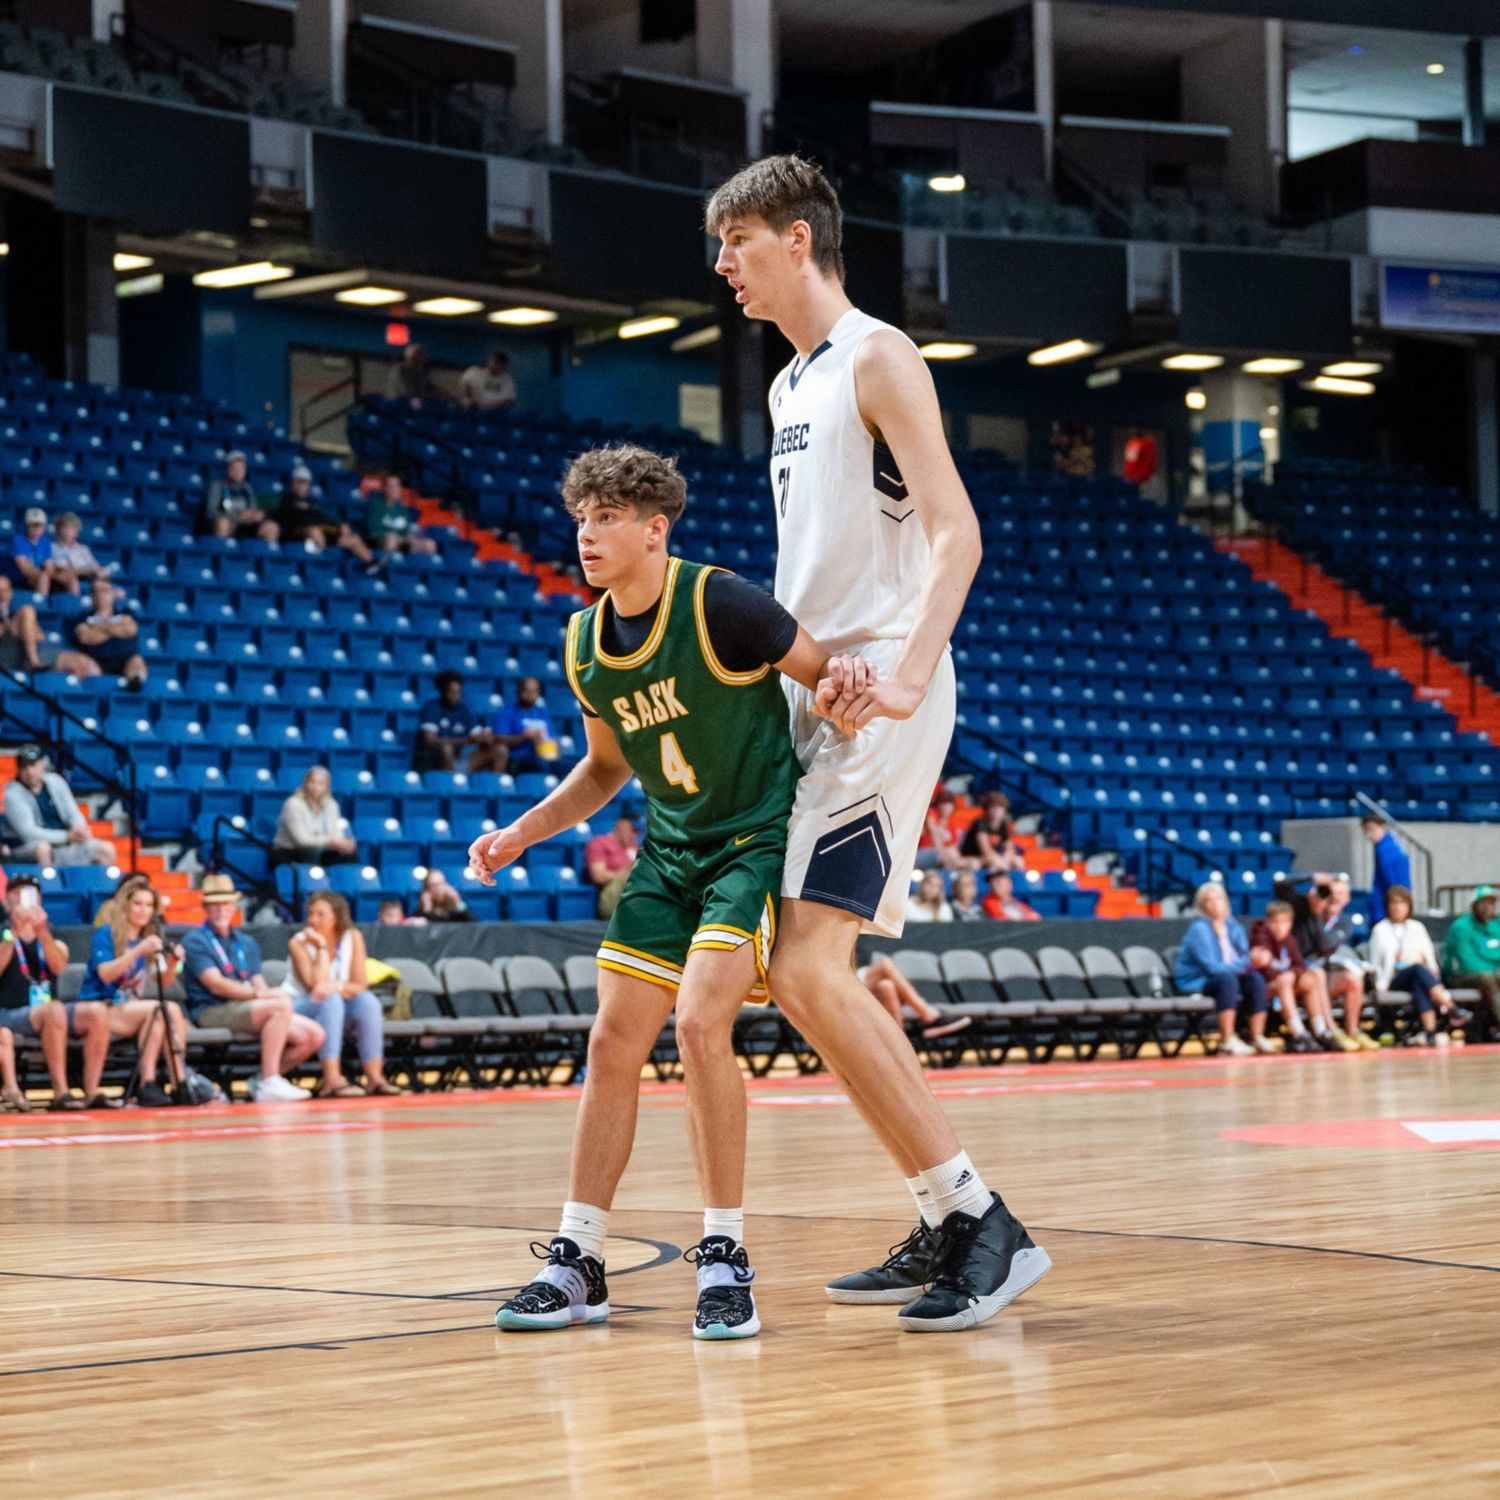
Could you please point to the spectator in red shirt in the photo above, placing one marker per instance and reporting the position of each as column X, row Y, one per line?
column 939, row 843
column 1277, row 958
column 608, row 858
column 1002, row 903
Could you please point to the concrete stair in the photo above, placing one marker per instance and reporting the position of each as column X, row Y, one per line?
column 1433, row 676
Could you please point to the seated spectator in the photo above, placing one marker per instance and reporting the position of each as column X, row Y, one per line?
column 1405, row 961
column 987, row 844
column 440, row 902
column 310, row 829
column 1003, row 904
column 893, row 989
column 127, row 959
column 1471, row 951
column 411, row 379
column 448, row 727
column 964, row 898
column 393, row 914
column 31, row 562
column 1392, row 864
column 109, row 637
column 1214, row 960
column 1346, row 970
column 32, row 960
column 328, row 985
column 928, row 903
column 1275, row 956
column 391, row 524
column 301, row 519
column 225, row 987
column 607, row 857
column 232, row 510
column 521, row 737
column 939, row 843
column 47, row 827
column 491, row 386
column 1320, row 934
column 22, row 646
column 73, row 562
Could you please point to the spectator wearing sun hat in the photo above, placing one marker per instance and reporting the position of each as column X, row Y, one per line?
column 31, row 563
column 222, row 975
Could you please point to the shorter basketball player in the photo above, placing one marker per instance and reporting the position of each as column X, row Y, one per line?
column 673, row 670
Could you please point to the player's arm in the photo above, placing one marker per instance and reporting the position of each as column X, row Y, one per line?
column 899, row 405
column 808, row 663
column 583, row 791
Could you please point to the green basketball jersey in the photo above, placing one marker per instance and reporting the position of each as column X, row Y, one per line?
column 713, row 748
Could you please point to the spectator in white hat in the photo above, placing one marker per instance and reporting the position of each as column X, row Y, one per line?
column 302, row 519
column 31, row 559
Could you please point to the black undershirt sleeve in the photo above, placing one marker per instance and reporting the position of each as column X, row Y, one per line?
column 746, row 625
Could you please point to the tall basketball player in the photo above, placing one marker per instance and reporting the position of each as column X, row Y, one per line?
column 878, row 545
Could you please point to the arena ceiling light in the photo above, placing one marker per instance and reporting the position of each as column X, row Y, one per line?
column 1271, row 366
column 944, row 349
column 447, row 307
column 1339, row 387
column 250, row 274
column 1354, row 368
column 124, row 261
column 369, row 296
column 1436, row 70
column 1057, row 354
column 1192, row 362
column 1195, row 400
column 699, row 338
column 140, row 286
column 639, row 328
column 955, row 183
column 523, row 317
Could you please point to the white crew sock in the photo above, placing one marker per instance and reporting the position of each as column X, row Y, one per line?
column 726, row 1221
column 930, row 1216
column 956, row 1187
column 586, row 1226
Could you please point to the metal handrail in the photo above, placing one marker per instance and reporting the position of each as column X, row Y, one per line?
column 1392, row 821
column 126, row 792
column 1062, row 808
column 1444, row 895
column 305, row 428
column 262, row 891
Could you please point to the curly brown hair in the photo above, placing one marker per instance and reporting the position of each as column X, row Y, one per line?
column 343, row 919
column 781, row 190
column 625, row 477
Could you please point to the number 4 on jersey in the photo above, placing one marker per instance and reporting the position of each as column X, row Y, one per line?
column 675, row 768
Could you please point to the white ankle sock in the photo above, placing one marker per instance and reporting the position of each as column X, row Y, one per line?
column 586, row 1226
column 730, row 1221
column 930, row 1216
column 956, row 1187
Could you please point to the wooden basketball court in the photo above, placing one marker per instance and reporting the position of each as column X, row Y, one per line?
column 1272, row 1277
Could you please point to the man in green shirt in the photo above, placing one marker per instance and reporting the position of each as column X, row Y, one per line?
column 1471, row 951
column 391, row 524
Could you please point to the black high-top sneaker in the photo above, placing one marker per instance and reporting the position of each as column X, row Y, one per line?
column 982, row 1266
column 901, row 1277
column 726, row 1305
column 570, row 1289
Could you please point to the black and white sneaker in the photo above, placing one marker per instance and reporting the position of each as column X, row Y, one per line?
column 901, row 1277
column 570, row 1289
column 726, row 1305
column 982, row 1265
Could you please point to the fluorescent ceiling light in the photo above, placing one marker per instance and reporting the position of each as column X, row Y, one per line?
column 1337, row 387
column 369, row 296
column 699, row 338
column 124, row 261
column 944, row 349
column 1436, row 69
column 1192, row 362
column 523, row 317
column 954, row 184
column 1354, row 367
column 1056, row 354
column 140, row 286
column 639, row 328
column 4, row 247
column 247, row 275
column 1271, row 366
column 447, row 307
column 1196, row 400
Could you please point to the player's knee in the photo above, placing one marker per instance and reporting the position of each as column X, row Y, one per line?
column 614, row 1046
column 795, row 988
column 701, row 1036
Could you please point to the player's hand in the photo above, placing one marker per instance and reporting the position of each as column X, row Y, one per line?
column 493, row 851
column 849, row 678
column 881, row 700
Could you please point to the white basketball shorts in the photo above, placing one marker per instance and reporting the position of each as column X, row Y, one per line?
column 861, row 803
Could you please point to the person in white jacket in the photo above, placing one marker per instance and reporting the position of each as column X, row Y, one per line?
column 1405, row 960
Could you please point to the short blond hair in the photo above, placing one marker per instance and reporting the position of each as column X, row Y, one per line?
column 781, row 190
column 625, row 477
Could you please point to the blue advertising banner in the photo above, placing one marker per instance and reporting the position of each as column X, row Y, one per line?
column 1439, row 298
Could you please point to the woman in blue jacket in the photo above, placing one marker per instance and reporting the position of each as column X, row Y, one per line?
column 1214, row 960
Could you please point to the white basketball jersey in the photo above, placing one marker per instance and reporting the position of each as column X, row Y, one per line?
column 852, row 552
